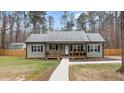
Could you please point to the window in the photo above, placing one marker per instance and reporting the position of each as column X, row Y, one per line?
column 77, row 48
column 34, row 48
column 53, row 47
column 37, row 48
column 74, row 48
column 93, row 48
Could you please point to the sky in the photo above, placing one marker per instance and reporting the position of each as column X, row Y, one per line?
column 58, row 14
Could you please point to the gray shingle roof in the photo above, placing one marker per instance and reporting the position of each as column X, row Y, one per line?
column 36, row 38
column 66, row 36
column 95, row 37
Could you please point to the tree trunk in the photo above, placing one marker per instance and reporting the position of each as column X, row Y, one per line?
column 3, row 36
column 3, row 30
column 25, row 25
column 17, row 32
column 11, row 33
column 122, row 43
column 34, row 28
column 116, row 29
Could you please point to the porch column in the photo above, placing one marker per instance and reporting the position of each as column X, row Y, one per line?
column 86, row 49
column 46, row 51
column 102, row 49
column 58, row 52
column 69, row 50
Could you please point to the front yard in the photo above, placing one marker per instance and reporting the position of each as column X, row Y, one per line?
column 18, row 68
column 92, row 72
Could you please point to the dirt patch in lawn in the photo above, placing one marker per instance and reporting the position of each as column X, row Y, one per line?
column 102, row 72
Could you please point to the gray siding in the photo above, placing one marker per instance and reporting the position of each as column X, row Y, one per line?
column 95, row 54
column 31, row 54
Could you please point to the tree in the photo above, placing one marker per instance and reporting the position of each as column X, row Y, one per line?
column 122, row 42
column 81, row 22
column 11, row 21
column 50, row 23
column 70, row 22
column 64, row 20
column 3, row 28
column 25, row 23
column 37, row 18
column 69, row 26
column 67, row 21
column 100, row 15
column 18, row 20
column 117, row 28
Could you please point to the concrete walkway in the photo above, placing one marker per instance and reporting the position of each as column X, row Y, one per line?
column 94, row 62
column 61, row 72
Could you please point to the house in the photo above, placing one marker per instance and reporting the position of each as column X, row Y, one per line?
column 57, row 44
column 17, row 46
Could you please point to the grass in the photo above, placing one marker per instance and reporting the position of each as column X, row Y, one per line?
column 19, row 68
column 95, row 72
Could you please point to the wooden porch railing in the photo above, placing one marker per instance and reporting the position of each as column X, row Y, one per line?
column 54, row 54
column 77, row 55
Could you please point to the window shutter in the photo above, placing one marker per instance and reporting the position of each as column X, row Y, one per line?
column 98, row 48
column 50, row 47
column 71, row 47
column 88, row 48
column 32, row 48
column 82, row 48
column 41, row 48
column 56, row 47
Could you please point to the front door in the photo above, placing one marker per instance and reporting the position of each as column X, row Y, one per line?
column 66, row 50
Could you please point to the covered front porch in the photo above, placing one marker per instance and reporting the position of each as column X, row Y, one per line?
column 66, row 50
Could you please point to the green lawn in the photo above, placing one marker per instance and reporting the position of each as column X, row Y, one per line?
column 18, row 68
column 92, row 72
